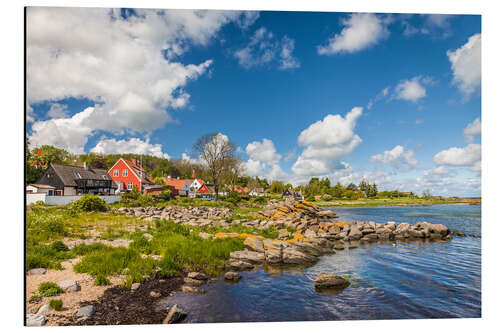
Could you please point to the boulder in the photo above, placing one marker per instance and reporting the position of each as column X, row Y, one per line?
column 85, row 311
column 149, row 237
column 391, row 225
column 328, row 280
column 354, row 234
column 205, row 235
column 252, row 257
column 37, row 271
column 189, row 289
column 292, row 256
column 44, row 309
column 69, row 286
column 309, row 233
column 193, row 282
column 135, row 286
column 370, row 237
column 326, row 214
column 175, row 315
column 232, row 276
column 254, row 244
column 197, row 276
column 439, row 229
column 339, row 245
column 240, row 265
column 35, row 320
column 154, row 294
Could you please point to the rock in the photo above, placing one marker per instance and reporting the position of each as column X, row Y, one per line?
column 291, row 255
column 252, row 257
column 232, row 276
column 35, row 320
column 193, row 282
column 135, row 286
column 197, row 276
column 366, row 231
column 439, row 229
column 149, row 237
column 254, row 244
column 402, row 230
column 205, row 235
column 327, row 214
column 175, row 315
column 85, row 311
column 154, row 294
column 283, row 233
column 416, row 233
column 69, row 286
column 44, row 309
column 37, row 271
column 240, row 265
column 310, row 234
column 327, row 280
column 354, row 234
column 339, row 245
column 370, row 237
column 189, row 289
column 391, row 225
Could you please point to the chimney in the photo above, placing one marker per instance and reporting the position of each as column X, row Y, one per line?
column 85, row 166
column 134, row 160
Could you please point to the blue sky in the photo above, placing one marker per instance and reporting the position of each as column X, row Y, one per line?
column 391, row 98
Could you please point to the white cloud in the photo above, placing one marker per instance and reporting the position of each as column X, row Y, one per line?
column 263, row 151
column 378, row 97
column 185, row 157
column 473, row 129
column 30, row 114
column 436, row 25
column 397, row 157
column 58, row 111
column 325, row 142
column 264, row 48
column 253, row 168
column 130, row 146
column 413, row 89
column 118, row 63
column 469, row 155
column 360, row 32
column 247, row 19
column 466, row 65
column 67, row 133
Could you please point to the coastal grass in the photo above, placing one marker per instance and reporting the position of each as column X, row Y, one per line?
column 48, row 289
column 56, row 304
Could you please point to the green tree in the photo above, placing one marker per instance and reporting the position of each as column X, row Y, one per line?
column 277, row 187
column 337, row 190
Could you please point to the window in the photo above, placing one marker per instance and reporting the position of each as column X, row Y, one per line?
column 116, row 172
column 129, row 186
column 77, row 175
column 124, row 172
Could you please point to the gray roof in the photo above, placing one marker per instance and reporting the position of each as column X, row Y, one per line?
column 68, row 173
column 42, row 186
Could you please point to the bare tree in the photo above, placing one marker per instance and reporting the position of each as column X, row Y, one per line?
column 216, row 151
column 235, row 168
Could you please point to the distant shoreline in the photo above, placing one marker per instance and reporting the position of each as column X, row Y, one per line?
column 394, row 202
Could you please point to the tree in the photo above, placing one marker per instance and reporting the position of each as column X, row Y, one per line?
column 215, row 151
column 234, row 168
column 364, row 186
column 426, row 194
column 277, row 187
column 337, row 190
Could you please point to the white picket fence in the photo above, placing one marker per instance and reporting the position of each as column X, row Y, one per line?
column 65, row 199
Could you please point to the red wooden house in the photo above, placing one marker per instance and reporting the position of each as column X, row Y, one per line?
column 127, row 174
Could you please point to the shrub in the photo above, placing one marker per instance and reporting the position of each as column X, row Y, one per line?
column 146, row 200
column 90, row 203
column 259, row 200
column 45, row 256
column 43, row 226
column 326, row 197
column 101, row 280
column 56, row 304
column 165, row 195
column 233, row 197
column 35, row 298
column 59, row 246
column 48, row 289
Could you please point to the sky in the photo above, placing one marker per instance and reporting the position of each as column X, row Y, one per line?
column 390, row 98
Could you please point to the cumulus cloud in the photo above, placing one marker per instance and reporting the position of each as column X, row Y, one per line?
column 436, row 25
column 125, row 65
column 413, row 89
column 466, row 65
column 360, row 32
column 263, row 151
column 473, row 129
column 469, row 155
column 325, row 142
column 397, row 157
column 253, row 168
column 264, row 48
column 30, row 114
column 130, row 146
column 247, row 19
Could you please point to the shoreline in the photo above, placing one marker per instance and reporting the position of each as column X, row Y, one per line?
column 338, row 204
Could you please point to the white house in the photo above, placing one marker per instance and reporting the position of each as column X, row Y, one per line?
column 40, row 188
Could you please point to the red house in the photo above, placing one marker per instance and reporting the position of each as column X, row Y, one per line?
column 127, row 174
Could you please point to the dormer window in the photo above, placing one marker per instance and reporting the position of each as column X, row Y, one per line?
column 77, row 175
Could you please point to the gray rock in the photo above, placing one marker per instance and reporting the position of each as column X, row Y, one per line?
column 370, row 237
column 310, row 234
column 240, row 265
column 186, row 289
column 232, row 276
column 149, row 237
column 35, row 320
column 254, row 244
column 37, row 271
column 154, row 294
column 252, row 257
column 327, row 280
column 198, row 276
column 44, row 309
column 439, row 229
column 354, row 233
column 135, row 286
column 85, row 311
column 391, row 225
column 175, row 315
column 291, row 255
column 193, row 282
column 69, row 286
column 205, row 235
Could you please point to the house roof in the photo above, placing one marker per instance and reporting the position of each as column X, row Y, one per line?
column 68, row 174
column 177, row 183
column 42, row 186
column 132, row 165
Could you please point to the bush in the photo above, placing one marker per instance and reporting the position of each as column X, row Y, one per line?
column 90, row 203
column 165, row 195
column 259, row 200
column 56, row 304
column 59, row 246
column 326, row 197
column 48, row 289
column 45, row 256
column 35, row 298
column 101, row 280
column 232, row 197
column 43, row 226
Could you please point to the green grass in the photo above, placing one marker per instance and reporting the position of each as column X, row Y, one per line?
column 47, row 256
column 56, row 304
column 101, row 280
column 48, row 289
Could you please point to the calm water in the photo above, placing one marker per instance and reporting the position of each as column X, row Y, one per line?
column 409, row 280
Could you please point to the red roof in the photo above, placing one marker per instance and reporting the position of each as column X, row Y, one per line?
column 133, row 166
column 176, row 183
